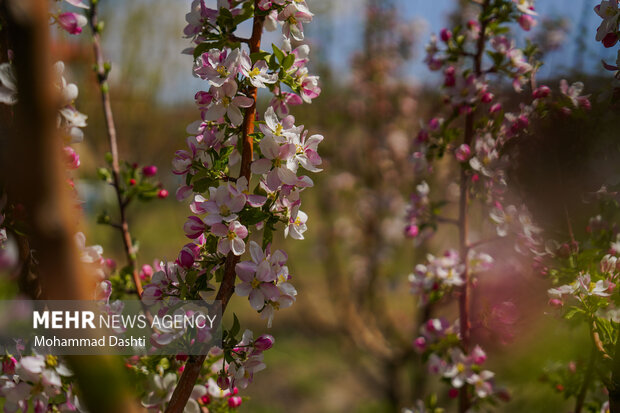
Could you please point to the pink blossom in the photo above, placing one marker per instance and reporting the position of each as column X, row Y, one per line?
column 226, row 102
column 282, row 100
column 183, row 192
column 194, row 227
column 218, row 66
column 232, row 236
column 293, row 22
column 224, row 204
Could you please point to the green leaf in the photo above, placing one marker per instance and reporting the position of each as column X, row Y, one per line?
column 252, row 216
column 256, row 56
column 288, row 61
column 573, row 311
column 279, row 54
column 203, row 185
column 235, row 327
column 272, row 62
column 104, row 174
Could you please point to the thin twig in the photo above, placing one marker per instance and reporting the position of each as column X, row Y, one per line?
column 102, row 79
column 186, row 383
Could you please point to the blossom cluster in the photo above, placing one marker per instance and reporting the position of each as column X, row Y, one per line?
column 227, row 206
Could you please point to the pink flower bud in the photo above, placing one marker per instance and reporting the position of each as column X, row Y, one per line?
column 465, row 109
column 495, row 108
column 203, row 98
column 72, row 22
column 527, row 22
column 463, row 153
column 449, row 80
column 8, row 365
column 188, row 255
column 422, row 136
column 478, row 356
column 234, row 402
column 541, row 92
column 556, row 302
column 419, row 344
column 610, row 39
column 162, row 194
column 434, row 124
column 149, row 170
column 453, row 393
column 487, row 97
column 445, row 35
column 223, row 382
column 71, row 158
column 147, row 272
column 264, row 342
column 411, row 231
column 584, row 102
column 110, row 263
column 523, row 121
column 205, row 399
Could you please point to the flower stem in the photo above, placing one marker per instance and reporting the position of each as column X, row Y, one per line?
column 102, row 79
column 193, row 366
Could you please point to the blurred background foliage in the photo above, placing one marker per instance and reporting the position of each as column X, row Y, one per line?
column 346, row 346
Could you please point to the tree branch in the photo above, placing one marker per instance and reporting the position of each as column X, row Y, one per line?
column 464, row 296
column 227, row 287
column 102, row 79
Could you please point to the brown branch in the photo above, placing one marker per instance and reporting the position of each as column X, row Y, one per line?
column 102, row 79
column 35, row 176
column 464, row 296
column 227, row 287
